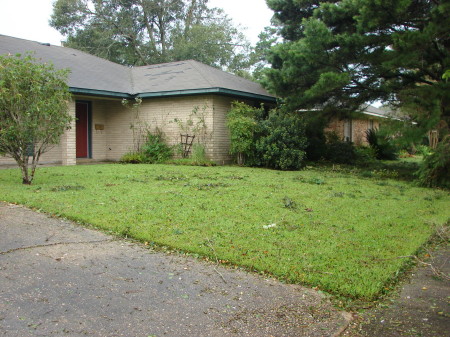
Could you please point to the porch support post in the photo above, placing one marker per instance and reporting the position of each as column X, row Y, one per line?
column 68, row 140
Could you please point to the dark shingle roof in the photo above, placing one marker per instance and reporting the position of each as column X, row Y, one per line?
column 98, row 76
column 87, row 71
column 189, row 74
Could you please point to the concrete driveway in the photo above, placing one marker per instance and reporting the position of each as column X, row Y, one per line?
column 59, row 279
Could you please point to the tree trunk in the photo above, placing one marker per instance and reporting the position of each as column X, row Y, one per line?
column 150, row 30
column 162, row 35
column 25, row 176
column 189, row 18
column 240, row 159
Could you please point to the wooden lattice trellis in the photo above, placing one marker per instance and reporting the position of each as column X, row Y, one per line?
column 186, row 144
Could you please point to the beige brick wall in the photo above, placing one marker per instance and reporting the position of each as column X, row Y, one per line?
column 114, row 136
column 153, row 114
column 221, row 135
column 359, row 128
column 162, row 113
column 118, row 139
column 99, row 130
column 68, row 140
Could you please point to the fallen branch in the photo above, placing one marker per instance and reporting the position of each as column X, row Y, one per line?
column 52, row 244
column 217, row 260
column 437, row 271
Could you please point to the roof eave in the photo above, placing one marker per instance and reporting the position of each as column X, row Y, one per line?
column 374, row 114
column 203, row 91
column 187, row 92
column 99, row 93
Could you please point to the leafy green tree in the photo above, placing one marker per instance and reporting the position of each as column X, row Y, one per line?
column 140, row 32
column 242, row 125
column 33, row 110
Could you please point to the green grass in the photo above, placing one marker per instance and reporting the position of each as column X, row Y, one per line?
column 320, row 227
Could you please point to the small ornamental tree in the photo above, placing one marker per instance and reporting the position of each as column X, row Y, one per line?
column 242, row 125
column 34, row 114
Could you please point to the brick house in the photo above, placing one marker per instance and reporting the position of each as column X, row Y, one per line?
column 170, row 93
column 354, row 129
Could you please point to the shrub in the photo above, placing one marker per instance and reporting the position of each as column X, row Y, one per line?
column 190, row 162
column 276, row 140
column 316, row 149
column 365, row 155
column 198, row 152
column 405, row 153
column 423, row 150
column 317, row 142
column 382, row 145
column 132, row 158
column 435, row 168
column 198, row 156
column 281, row 142
column 155, row 149
column 341, row 152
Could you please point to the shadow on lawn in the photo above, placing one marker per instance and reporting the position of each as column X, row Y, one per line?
column 397, row 169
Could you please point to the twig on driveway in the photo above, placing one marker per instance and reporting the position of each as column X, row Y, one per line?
column 52, row 244
column 217, row 260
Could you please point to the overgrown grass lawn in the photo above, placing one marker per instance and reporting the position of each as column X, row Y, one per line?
column 319, row 227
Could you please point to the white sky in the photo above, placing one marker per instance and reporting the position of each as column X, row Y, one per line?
column 28, row 19
column 253, row 15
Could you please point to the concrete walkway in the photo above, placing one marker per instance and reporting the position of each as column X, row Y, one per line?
column 59, row 279
column 421, row 308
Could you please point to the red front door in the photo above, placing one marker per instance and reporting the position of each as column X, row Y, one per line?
column 82, row 131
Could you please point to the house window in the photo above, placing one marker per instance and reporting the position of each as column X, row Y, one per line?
column 371, row 125
column 348, row 130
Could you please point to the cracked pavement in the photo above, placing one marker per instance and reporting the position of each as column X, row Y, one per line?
column 59, row 279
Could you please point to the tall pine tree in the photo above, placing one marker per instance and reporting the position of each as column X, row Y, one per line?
column 339, row 55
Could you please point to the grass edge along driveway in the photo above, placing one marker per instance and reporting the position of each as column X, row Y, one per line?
column 323, row 228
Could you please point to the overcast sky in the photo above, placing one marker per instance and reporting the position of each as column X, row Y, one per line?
column 28, row 19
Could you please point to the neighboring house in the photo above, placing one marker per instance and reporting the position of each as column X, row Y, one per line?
column 355, row 129
column 170, row 92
